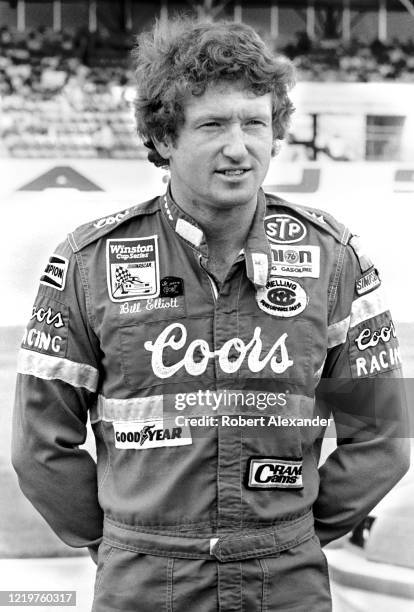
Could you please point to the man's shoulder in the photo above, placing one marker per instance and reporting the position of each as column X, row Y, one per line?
column 320, row 219
column 92, row 231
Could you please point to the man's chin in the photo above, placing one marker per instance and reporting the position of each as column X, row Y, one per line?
column 230, row 198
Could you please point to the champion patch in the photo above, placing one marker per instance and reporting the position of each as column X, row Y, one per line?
column 157, row 433
column 300, row 261
column 55, row 272
column 368, row 282
column 132, row 268
column 284, row 229
column 273, row 473
column 282, row 297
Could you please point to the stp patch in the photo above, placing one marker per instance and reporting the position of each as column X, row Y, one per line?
column 274, row 473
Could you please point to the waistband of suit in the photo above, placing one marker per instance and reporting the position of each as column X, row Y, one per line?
column 246, row 544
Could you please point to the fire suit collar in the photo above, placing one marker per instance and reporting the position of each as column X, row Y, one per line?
column 256, row 252
column 183, row 224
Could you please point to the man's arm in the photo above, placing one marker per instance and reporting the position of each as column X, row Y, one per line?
column 362, row 385
column 56, row 385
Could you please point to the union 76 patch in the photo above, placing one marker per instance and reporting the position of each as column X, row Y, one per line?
column 132, row 268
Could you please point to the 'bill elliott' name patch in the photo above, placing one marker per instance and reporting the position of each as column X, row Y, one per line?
column 132, row 268
column 274, row 473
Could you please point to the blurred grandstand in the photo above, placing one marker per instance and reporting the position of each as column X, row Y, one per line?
column 66, row 84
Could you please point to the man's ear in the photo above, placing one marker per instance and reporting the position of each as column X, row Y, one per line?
column 163, row 147
column 276, row 148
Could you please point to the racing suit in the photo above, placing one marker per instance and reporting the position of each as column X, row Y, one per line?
column 207, row 494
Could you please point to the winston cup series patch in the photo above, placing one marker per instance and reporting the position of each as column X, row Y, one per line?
column 274, row 473
column 132, row 268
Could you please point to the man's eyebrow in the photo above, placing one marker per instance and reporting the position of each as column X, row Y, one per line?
column 215, row 115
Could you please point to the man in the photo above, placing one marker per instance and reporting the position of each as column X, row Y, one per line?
column 195, row 329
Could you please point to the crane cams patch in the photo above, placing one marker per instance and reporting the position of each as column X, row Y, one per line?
column 282, row 297
column 274, row 473
column 132, row 268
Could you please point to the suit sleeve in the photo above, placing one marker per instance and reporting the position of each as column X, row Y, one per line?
column 56, row 385
column 362, row 386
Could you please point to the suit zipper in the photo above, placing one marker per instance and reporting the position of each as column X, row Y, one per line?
column 213, row 285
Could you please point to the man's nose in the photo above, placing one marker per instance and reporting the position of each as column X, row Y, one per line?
column 235, row 145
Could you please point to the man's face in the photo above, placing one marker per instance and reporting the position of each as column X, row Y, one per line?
column 223, row 150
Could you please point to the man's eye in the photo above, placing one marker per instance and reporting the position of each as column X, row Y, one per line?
column 255, row 122
column 209, row 124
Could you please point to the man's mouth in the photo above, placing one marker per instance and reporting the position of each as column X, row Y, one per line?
column 233, row 171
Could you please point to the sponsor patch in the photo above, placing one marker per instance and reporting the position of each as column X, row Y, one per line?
column 282, row 297
column 368, row 282
column 55, row 272
column 48, row 316
column 47, row 330
column 174, row 337
column 273, row 473
column 171, row 286
column 111, row 220
column 300, row 261
column 132, row 268
column 155, row 433
column 374, row 347
column 284, row 229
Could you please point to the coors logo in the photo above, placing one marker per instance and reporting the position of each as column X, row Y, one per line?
column 174, row 337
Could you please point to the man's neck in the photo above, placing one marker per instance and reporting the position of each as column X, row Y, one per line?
column 225, row 229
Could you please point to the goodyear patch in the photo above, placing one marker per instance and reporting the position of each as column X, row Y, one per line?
column 274, row 473
column 156, row 433
column 132, row 268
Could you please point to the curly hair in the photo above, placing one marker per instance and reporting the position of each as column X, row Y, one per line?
column 183, row 57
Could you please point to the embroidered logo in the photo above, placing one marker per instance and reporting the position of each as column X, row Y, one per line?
column 282, row 297
column 274, row 473
column 156, row 433
column 284, row 229
column 132, row 268
column 55, row 272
